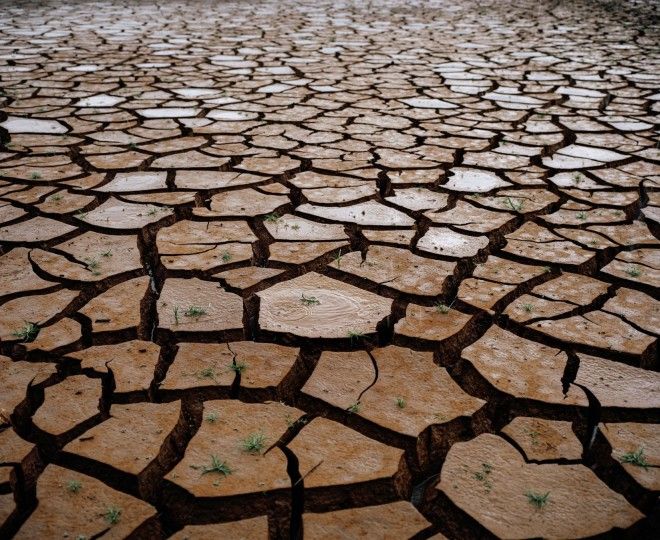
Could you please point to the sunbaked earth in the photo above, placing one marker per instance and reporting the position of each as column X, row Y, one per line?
column 329, row 270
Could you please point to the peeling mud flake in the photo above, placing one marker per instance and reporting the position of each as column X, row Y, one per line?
column 130, row 439
column 227, row 456
column 20, row 319
column 17, row 275
column 16, row 376
column 394, row 520
column 637, row 448
column 248, row 529
column 72, row 504
column 544, row 440
column 38, row 229
column 68, row 404
column 132, row 363
column 397, row 269
column 489, row 479
column 522, row 368
column 116, row 214
column 357, row 459
column 436, row 323
column 442, row 241
column 618, row 385
column 369, row 214
column 118, row 308
column 390, row 399
column 90, row 257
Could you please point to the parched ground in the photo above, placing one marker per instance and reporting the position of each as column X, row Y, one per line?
column 330, row 270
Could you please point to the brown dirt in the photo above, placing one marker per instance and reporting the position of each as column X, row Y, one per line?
column 296, row 269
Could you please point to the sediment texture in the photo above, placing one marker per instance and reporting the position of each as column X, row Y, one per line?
column 329, row 269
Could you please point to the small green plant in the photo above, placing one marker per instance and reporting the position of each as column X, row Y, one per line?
column 107, row 253
column 112, row 515
column 152, row 211
column 309, row 300
column 355, row 408
column 547, row 269
column 483, row 476
column 35, row 176
column 55, row 198
column 528, row 307
column 634, row 271
column 636, row 458
column 539, row 500
column 295, row 226
column 216, row 466
column 354, row 335
column 442, row 308
column 534, row 435
column 194, row 312
column 338, row 259
column 515, row 204
column 28, row 333
column 73, row 486
column 176, row 315
column 581, row 216
column 226, row 257
column 132, row 146
column 207, row 373
column 254, row 443
column 272, row 218
column 237, row 367
column 211, row 418
column 92, row 264
column 400, row 402
column 81, row 215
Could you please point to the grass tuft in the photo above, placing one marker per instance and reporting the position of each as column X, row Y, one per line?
column 211, row 417
column 194, row 312
column 28, row 333
column 539, row 500
column 73, row 486
column 442, row 308
column 515, row 204
column 254, row 443
column 112, row 515
column 237, row 367
column 354, row 334
column 636, row 458
column 309, row 300
column 216, row 466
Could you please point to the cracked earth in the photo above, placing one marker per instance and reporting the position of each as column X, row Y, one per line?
column 329, row 270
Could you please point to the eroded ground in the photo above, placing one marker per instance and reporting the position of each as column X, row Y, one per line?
column 329, row 269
